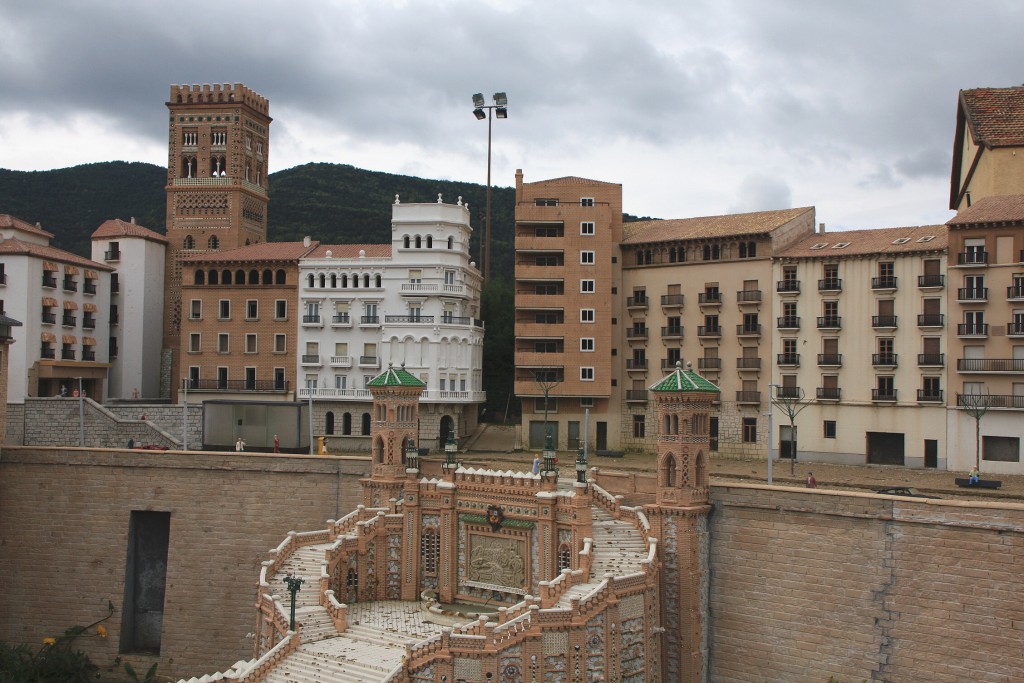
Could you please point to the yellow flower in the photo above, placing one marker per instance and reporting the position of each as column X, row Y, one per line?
column 49, row 641
column 101, row 631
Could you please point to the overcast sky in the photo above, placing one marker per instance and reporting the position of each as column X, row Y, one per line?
column 698, row 107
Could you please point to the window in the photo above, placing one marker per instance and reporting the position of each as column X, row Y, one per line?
column 279, row 343
column 587, row 374
column 587, row 402
column 587, row 228
column 639, row 426
column 587, row 258
column 194, row 342
column 225, row 309
column 252, row 310
column 430, row 550
column 750, row 430
column 829, row 429
column 1000, row 448
column 280, row 309
column 544, row 201
column 196, row 311
column 587, row 344
column 250, row 343
column 193, row 375
column 223, row 340
column 586, row 201
column 279, row 381
column 587, row 286
column 587, row 315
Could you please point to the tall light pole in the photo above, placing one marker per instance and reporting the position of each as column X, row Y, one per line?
column 481, row 111
column 771, row 437
column 184, row 415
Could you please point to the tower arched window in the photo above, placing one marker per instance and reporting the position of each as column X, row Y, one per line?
column 329, row 422
column 670, row 470
column 344, row 281
column 430, row 550
column 279, row 277
column 405, row 241
column 430, row 241
column 199, row 278
column 564, row 557
column 213, row 242
column 254, row 277
column 310, row 281
column 334, row 281
column 225, row 277
column 239, row 277
column 188, row 242
column 214, row 277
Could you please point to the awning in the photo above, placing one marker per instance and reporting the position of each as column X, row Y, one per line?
column 49, row 301
column 70, row 270
column 91, row 274
column 89, row 308
column 70, row 306
column 69, row 339
column 48, row 265
column 88, row 341
column 48, row 337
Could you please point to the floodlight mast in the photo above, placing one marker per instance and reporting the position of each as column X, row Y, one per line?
column 482, row 110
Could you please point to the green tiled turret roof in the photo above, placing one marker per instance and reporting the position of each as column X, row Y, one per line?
column 684, row 380
column 395, row 378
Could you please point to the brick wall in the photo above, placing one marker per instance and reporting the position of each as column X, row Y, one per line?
column 811, row 584
column 64, row 517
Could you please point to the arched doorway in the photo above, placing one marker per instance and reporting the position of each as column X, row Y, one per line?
column 447, row 428
column 329, row 427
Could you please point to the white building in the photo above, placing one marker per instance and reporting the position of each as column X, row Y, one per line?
column 136, row 305
column 64, row 302
column 415, row 302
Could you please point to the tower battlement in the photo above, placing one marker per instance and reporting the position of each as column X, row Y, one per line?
column 219, row 94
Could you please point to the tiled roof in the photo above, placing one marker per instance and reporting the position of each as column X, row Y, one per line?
column 16, row 246
column 119, row 228
column 264, row 251
column 1004, row 209
column 572, row 180
column 684, row 380
column 878, row 241
column 995, row 115
column 351, row 251
column 395, row 378
column 8, row 221
column 756, row 223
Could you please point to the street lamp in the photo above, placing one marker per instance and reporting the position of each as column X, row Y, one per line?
column 481, row 111
column 293, row 583
column 771, row 438
column 451, row 450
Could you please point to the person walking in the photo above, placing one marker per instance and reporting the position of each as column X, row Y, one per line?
column 277, row 444
column 812, row 483
column 536, row 463
column 239, row 445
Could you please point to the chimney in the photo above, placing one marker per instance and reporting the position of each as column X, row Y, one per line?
column 821, row 228
column 306, row 241
column 133, row 220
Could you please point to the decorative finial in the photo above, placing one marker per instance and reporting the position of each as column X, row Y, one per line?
column 438, row 197
column 689, row 365
column 330, row 253
column 397, row 200
column 390, row 365
column 402, row 365
column 460, row 200
column 362, row 253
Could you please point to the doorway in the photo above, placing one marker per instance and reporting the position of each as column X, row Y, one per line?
column 931, row 453
column 602, row 436
column 885, row 448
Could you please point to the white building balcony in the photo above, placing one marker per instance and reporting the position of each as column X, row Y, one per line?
column 341, row 361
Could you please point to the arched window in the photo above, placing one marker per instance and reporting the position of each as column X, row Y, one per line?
column 564, row 557
column 334, row 281
column 254, row 277
column 239, row 277
column 355, row 281
column 279, row 277
column 751, row 249
column 188, row 242
column 707, row 252
column 346, row 424
column 418, row 242
column 668, row 425
column 200, row 278
column 352, row 585
column 323, row 280
column 310, row 281
column 430, row 241
column 675, row 424
column 344, row 280
column 268, row 276
column 378, row 448
column 430, row 550
column 214, row 278
column 451, row 242
column 670, row 470
column 329, row 422
column 405, row 241
column 743, row 250
column 716, row 253
column 366, row 280
column 366, row 424
column 225, row 277
column 376, row 281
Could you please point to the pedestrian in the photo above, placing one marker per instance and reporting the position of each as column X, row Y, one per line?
column 63, row 391
column 277, row 444
column 536, row 463
column 325, row 446
column 131, row 442
column 812, row 483
column 239, row 445
column 973, row 476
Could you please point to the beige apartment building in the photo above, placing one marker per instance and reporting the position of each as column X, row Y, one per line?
column 860, row 347
column 985, row 300
column 989, row 135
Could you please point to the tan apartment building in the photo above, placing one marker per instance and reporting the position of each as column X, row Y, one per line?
column 698, row 290
column 239, row 329
column 566, row 287
column 986, row 148
column 860, row 346
column 985, row 300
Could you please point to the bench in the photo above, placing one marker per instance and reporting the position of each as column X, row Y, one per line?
column 982, row 483
column 611, row 454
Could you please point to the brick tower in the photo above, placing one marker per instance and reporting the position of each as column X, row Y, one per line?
column 396, row 414
column 217, row 160
column 683, row 402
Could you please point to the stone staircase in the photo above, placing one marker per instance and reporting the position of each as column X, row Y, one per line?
column 619, row 549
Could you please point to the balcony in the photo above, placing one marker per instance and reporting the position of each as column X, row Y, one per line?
column 883, row 321
column 68, row 320
column 369, row 320
column 636, row 395
column 667, row 364
column 931, row 281
column 709, row 298
column 709, row 364
column 3, row 278
column 313, row 320
column 829, row 393
column 89, row 323
column 931, row 320
column 311, row 360
column 1015, row 293
column 787, row 286
column 709, row 331
column 341, row 320
column 49, row 281
column 47, row 354
column 67, row 354
column 830, row 322
column 833, row 284
column 636, row 333
column 409, row 319
column 972, row 330
column 49, row 318
column 990, row 400
column 672, row 332
column 967, row 294
column 69, row 285
column 636, row 364
column 789, row 322
column 931, row 360
column 748, row 364
column 883, row 395
column 748, row 396
column 114, row 318
column 748, row 296
column 416, row 288
column 672, row 300
column 990, row 365
column 788, row 392
column 1015, row 329
column 341, row 361
column 884, row 360
column 112, row 255
column 972, row 258
column 636, row 302
column 369, row 362
column 929, row 396
column 89, row 287
column 331, row 392
column 884, row 282
column 237, row 385
column 115, row 287
column 830, row 360
column 744, row 330
column 89, row 355
column 787, row 359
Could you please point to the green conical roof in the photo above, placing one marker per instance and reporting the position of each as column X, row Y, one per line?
column 395, row 378
column 684, row 380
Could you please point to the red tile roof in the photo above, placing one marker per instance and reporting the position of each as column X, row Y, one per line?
column 351, row 251
column 1000, row 209
column 571, row 180
column 995, row 115
column 878, row 241
column 16, row 246
column 756, row 223
column 264, row 251
column 8, row 221
column 119, row 228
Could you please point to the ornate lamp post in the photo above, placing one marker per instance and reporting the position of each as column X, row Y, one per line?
column 581, row 465
column 293, row 583
column 412, row 456
column 548, row 455
column 451, row 451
